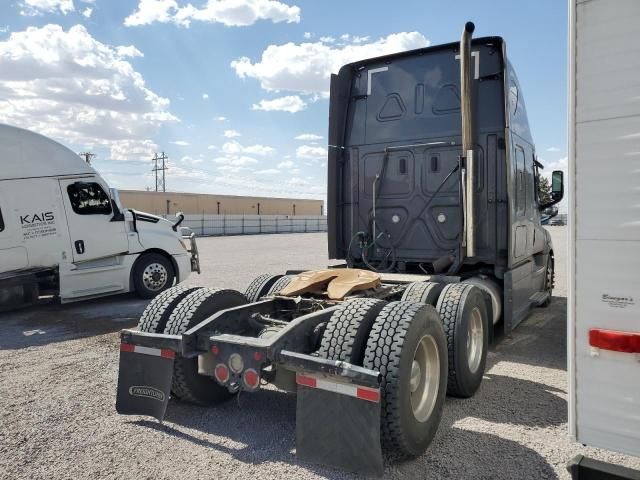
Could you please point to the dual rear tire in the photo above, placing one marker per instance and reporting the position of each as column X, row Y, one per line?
column 405, row 342
column 175, row 311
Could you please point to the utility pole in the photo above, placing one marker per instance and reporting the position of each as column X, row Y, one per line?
column 160, row 181
column 87, row 156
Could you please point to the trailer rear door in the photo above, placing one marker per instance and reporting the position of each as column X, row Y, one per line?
column 604, row 272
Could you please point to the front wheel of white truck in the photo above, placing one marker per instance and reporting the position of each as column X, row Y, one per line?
column 152, row 274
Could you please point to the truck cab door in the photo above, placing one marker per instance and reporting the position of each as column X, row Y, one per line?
column 93, row 231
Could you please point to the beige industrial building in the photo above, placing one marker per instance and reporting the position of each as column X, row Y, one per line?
column 161, row 203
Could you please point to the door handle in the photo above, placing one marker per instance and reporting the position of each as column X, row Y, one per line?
column 79, row 244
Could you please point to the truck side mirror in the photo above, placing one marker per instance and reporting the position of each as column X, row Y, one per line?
column 180, row 217
column 557, row 185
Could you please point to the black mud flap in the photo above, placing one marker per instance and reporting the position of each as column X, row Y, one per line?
column 338, row 424
column 144, row 380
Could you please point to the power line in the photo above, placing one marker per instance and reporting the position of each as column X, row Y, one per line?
column 160, row 180
column 87, row 156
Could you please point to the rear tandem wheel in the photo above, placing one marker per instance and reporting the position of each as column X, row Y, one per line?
column 260, row 286
column 187, row 383
column 464, row 317
column 407, row 346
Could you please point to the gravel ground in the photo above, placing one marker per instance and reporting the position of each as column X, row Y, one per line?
column 58, row 367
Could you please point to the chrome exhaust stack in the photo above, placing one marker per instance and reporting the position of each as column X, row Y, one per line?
column 468, row 170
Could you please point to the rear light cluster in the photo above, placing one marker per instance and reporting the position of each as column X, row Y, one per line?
column 235, row 366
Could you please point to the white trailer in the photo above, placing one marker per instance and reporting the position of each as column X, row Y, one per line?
column 64, row 232
column 604, row 231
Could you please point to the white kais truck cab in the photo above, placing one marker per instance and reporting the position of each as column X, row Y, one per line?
column 604, row 233
column 63, row 231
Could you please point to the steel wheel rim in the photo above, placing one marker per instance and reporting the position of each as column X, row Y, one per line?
column 475, row 339
column 154, row 276
column 424, row 380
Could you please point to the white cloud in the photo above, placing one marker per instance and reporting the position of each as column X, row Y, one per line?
column 87, row 12
column 307, row 67
column 69, row 86
column 309, row 137
column 353, row 39
column 235, row 161
column 310, row 152
column 231, row 133
column 308, row 35
column 4, row 29
column 129, row 51
column 132, row 149
column 327, row 39
column 219, row 119
column 235, row 148
column 180, row 143
column 553, row 149
column 212, row 147
column 290, row 103
column 190, row 161
column 38, row 7
column 298, row 181
column 268, row 171
column 285, row 164
column 205, row 96
column 549, row 166
column 232, row 13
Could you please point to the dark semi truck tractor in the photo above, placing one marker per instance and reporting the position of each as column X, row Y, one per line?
column 432, row 203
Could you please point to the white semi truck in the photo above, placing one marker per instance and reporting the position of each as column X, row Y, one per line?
column 63, row 231
column 604, row 232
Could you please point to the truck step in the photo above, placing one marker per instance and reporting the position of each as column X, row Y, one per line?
column 539, row 298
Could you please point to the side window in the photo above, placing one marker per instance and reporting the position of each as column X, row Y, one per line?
column 1, row 221
column 521, row 182
column 88, row 199
column 513, row 97
column 536, row 182
column 531, row 184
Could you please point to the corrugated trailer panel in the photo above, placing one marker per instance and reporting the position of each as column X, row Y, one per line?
column 604, row 174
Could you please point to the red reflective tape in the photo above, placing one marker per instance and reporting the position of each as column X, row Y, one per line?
column 165, row 353
column 368, row 394
column 627, row 342
column 127, row 347
column 306, row 381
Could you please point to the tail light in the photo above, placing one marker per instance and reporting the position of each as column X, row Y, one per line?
column 627, row 342
column 251, row 378
column 221, row 373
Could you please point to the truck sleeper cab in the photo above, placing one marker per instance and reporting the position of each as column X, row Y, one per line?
column 64, row 232
column 372, row 346
column 396, row 189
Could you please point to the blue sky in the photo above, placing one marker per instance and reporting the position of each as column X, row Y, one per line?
column 224, row 87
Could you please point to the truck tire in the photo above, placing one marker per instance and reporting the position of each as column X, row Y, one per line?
column 187, row 384
column 152, row 274
column 407, row 346
column 345, row 337
column 155, row 316
column 260, row 286
column 280, row 284
column 549, row 280
column 464, row 317
column 423, row 292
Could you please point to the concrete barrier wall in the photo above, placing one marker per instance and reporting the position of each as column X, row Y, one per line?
column 212, row 225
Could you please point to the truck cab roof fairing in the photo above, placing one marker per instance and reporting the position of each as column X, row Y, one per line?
column 26, row 154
